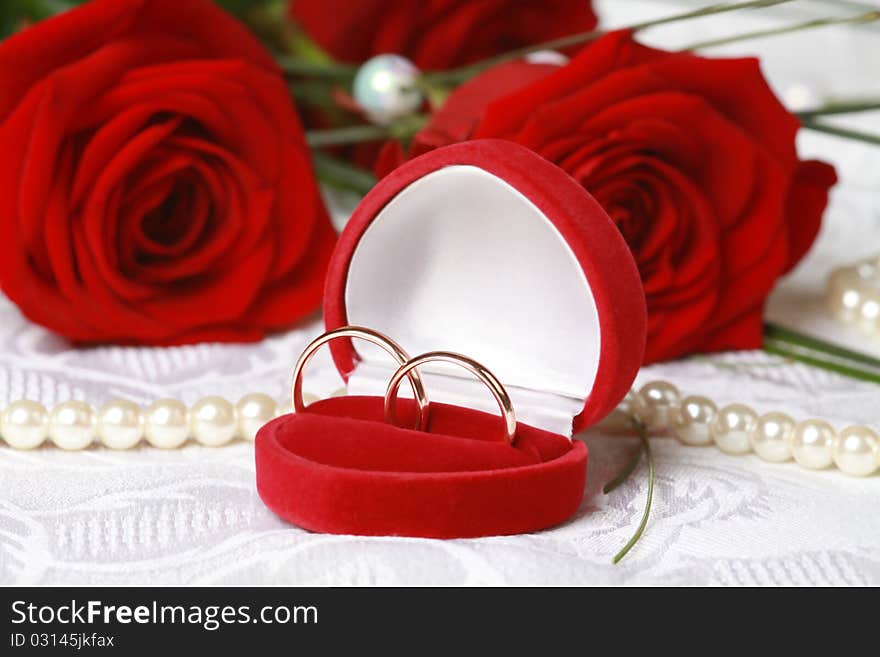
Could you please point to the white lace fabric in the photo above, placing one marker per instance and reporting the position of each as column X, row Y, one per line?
column 192, row 516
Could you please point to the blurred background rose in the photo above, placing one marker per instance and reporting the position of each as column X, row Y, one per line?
column 436, row 34
column 694, row 159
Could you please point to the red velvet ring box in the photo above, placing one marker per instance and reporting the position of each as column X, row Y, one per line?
column 486, row 249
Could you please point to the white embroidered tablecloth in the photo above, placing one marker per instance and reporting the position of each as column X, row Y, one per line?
column 192, row 516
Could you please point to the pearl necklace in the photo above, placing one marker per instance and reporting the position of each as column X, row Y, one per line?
column 853, row 295
column 738, row 429
column 121, row 424
column 214, row 421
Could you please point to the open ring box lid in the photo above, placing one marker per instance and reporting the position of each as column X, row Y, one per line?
column 486, row 249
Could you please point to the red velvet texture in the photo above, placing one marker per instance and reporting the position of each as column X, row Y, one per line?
column 592, row 236
column 339, row 468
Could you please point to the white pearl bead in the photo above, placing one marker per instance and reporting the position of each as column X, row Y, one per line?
column 867, row 269
column 253, row 411
column 692, row 424
column 72, row 425
column 656, row 403
column 24, row 424
column 166, row 423
column 811, row 443
column 731, row 428
column 620, row 419
column 869, row 310
column 843, row 294
column 120, row 424
column 855, row 451
column 800, row 96
column 386, row 87
column 213, row 421
column 771, row 437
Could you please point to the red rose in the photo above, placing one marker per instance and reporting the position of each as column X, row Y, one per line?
column 693, row 158
column 437, row 34
column 156, row 186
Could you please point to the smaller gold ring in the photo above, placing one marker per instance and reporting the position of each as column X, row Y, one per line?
column 376, row 338
column 474, row 367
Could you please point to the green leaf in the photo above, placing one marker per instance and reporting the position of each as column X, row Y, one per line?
column 242, row 7
column 14, row 14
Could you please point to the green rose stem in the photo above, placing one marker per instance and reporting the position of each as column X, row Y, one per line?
column 813, row 351
column 856, row 135
column 841, row 107
column 642, row 432
column 625, row 473
column 341, row 175
column 403, row 129
column 867, row 17
column 464, row 73
column 848, row 106
column 295, row 65
column 354, row 134
column 409, row 126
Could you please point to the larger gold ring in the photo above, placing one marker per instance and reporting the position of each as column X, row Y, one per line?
column 474, row 367
column 375, row 338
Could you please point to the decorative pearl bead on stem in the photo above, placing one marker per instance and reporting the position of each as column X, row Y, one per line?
column 386, row 87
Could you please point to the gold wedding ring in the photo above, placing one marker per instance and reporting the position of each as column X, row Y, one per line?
column 494, row 385
column 375, row 338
